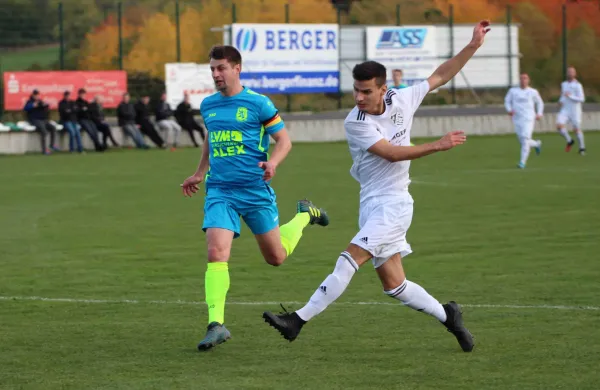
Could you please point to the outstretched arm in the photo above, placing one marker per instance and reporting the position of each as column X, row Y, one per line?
column 508, row 102
column 450, row 68
column 394, row 153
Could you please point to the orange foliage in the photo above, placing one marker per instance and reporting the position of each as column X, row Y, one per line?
column 273, row 11
column 470, row 11
column 583, row 11
column 100, row 49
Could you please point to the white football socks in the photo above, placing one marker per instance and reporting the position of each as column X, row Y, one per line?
column 332, row 287
column 415, row 297
column 580, row 139
column 565, row 134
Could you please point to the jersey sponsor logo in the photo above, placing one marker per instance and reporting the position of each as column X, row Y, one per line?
column 398, row 134
column 398, row 119
column 212, row 114
column 226, row 143
column 241, row 114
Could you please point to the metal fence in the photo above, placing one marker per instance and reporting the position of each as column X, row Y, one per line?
column 104, row 34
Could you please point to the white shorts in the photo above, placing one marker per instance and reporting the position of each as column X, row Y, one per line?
column 383, row 224
column 569, row 116
column 524, row 129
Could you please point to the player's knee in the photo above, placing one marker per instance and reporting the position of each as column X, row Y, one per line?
column 218, row 253
column 275, row 258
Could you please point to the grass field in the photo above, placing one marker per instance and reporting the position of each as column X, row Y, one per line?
column 518, row 248
column 44, row 56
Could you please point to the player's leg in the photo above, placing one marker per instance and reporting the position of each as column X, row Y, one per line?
column 561, row 121
column 395, row 285
column 277, row 243
column 525, row 132
column 222, row 225
column 576, row 121
column 290, row 324
column 372, row 236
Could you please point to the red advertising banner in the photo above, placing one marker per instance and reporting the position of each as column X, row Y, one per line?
column 18, row 86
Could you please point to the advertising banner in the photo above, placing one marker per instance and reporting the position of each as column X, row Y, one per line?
column 288, row 58
column 193, row 79
column 18, row 86
column 410, row 48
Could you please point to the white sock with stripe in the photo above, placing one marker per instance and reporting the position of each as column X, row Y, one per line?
column 332, row 287
column 415, row 297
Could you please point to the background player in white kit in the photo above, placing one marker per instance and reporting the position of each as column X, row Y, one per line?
column 378, row 132
column 521, row 103
column 571, row 97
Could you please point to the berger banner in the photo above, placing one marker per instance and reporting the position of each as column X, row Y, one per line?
column 18, row 86
column 288, row 58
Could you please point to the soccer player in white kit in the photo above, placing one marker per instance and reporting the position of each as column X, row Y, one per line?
column 571, row 97
column 521, row 103
column 378, row 132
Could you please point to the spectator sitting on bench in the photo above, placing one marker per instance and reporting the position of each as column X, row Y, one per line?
column 83, row 113
column 37, row 114
column 185, row 117
column 166, row 124
column 67, row 109
column 97, row 116
column 142, row 114
column 126, row 115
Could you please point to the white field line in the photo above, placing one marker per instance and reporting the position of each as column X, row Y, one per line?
column 265, row 303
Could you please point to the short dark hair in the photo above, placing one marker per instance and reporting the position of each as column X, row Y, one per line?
column 225, row 52
column 397, row 70
column 370, row 70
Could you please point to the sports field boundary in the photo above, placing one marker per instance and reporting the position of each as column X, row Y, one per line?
column 266, row 303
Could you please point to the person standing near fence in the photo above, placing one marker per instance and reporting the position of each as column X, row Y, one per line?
column 185, row 117
column 397, row 76
column 525, row 105
column 571, row 97
column 67, row 110
column 37, row 115
column 163, row 115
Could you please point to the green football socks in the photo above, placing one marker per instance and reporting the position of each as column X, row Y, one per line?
column 291, row 232
column 216, row 284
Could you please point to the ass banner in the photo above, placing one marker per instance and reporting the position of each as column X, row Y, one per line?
column 193, row 79
column 410, row 48
column 288, row 58
column 18, row 86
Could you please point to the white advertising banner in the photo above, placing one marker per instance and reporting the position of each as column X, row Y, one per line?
column 288, row 58
column 191, row 78
column 410, row 48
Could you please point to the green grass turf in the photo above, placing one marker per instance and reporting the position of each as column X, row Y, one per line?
column 115, row 227
column 44, row 56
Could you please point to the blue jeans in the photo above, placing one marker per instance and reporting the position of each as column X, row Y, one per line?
column 73, row 129
column 132, row 131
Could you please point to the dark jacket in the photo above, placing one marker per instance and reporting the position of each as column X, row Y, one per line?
column 96, row 112
column 163, row 111
column 126, row 114
column 67, row 109
column 185, row 114
column 142, row 112
column 83, row 108
column 36, row 110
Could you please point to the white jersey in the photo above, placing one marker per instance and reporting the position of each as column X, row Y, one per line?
column 377, row 176
column 523, row 103
column 571, row 103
